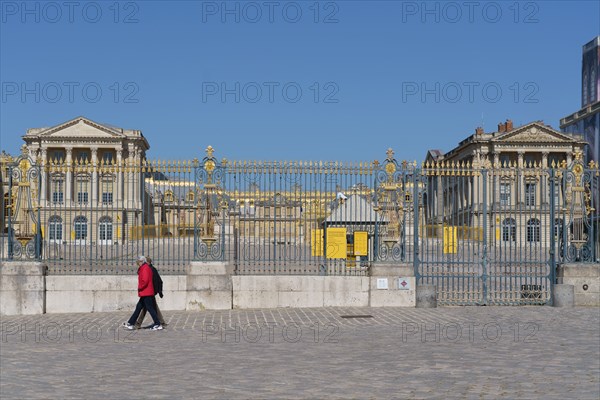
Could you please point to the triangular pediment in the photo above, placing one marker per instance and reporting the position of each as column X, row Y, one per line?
column 82, row 128
column 533, row 132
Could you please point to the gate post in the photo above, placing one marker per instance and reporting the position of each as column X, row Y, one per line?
column 11, row 212
column 485, row 236
column 552, row 229
column 416, row 182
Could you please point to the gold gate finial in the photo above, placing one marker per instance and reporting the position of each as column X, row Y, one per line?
column 209, row 151
column 390, row 153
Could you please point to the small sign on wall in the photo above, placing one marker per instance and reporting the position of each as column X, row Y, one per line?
column 382, row 283
column 403, row 284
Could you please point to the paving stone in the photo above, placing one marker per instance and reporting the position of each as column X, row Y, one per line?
column 448, row 352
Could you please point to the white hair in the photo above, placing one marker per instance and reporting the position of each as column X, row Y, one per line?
column 142, row 259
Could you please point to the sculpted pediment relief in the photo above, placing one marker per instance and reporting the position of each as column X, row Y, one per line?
column 533, row 133
column 81, row 128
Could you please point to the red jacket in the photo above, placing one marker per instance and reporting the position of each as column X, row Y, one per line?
column 145, row 287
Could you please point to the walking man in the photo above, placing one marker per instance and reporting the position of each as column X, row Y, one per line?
column 146, row 294
column 157, row 290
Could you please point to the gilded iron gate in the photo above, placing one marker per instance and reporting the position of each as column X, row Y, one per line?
column 494, row 234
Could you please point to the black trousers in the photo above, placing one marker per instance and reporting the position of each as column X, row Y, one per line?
column 148, row 303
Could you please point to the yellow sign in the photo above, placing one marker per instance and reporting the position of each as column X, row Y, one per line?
column 497, row 234
column 336, row 243
column 450, row 239
column 361, row 247
column 316, row 242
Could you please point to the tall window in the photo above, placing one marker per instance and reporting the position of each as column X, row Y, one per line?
column 55, row 228
column 83, row 157
column 82, row 184
column 7, row 208
column 80, row 226
column 107, row 158
column 107, row 190
column 530, row 194
column 105, row 230
column 509, row 230
column 57, row 156
column 533, row 230
column 504, row 194
column 57, row 187
column 558, row 227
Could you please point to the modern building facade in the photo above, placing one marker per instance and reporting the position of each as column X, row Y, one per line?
column 586, row 121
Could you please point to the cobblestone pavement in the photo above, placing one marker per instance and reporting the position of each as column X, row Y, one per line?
column 463, row 352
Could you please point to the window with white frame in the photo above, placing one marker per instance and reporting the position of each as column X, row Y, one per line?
column 530, row 194
column 55, row 228
column 82, row 187
column 106, row 187
column 533, row 230
column 505, row 193
column 57, row 188
column 105, row 230
column 558, row 227
column 509, row 230
column 80, row 226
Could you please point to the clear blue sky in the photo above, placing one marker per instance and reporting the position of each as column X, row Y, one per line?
column 361, row 66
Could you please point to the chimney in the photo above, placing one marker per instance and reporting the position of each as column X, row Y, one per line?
column 501, row 128
column 479, row 131
column 509, row 125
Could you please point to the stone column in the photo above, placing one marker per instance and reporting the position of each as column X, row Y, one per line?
column 130, row 176
column 521, row 181
column 118, row 189
column 138, row 180
column 94, row 182
column 44, row 178
column 495, row 169
column 69, row 179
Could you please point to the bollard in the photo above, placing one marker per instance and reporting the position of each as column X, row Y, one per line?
column 426, row 297
column 563, row 295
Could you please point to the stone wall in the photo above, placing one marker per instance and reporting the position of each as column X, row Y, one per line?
column 22, row 288
column 25, row 289
column 586, row 280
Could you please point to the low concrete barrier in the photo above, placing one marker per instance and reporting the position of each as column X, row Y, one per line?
column 208, row 286
column 257, row 291
column 426, row 296
column 101, row 293
column 392, row 286
column 563, row 295
column 585, row 279
column 22, row 288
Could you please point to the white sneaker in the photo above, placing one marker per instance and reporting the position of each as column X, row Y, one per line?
column 128, row 326
column 157, row 328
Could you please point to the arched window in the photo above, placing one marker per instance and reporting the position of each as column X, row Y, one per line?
column 509, row 230
column 533, row 230
column 80, row 225
column 55, row 228
column 169, row 196
column 190, row 196
column 105, row 230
